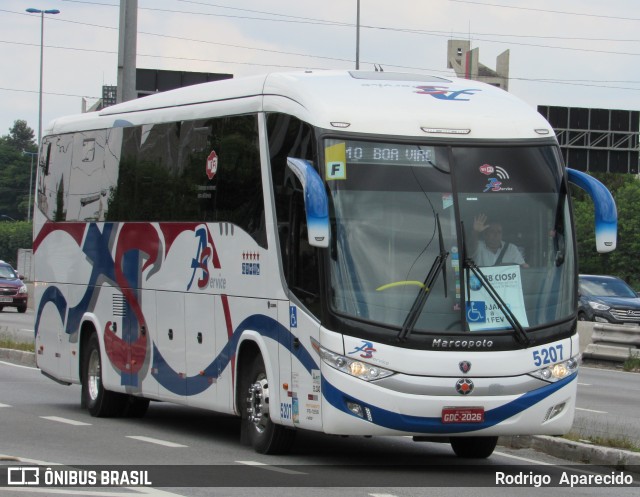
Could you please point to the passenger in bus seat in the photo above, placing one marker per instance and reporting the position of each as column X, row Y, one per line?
column 489, row 249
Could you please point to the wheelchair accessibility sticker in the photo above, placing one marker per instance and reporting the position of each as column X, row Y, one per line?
column 476, row 312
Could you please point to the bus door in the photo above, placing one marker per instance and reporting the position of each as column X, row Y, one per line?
column 301, row 265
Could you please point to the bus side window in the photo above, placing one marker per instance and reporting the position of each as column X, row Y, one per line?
column 47, row 159
column 53, row 183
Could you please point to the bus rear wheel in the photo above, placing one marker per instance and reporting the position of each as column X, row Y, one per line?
column 264, row 435
column 473, row 447
column 100, row 402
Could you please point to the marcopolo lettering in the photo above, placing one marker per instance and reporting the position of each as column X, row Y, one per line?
column 439, row 343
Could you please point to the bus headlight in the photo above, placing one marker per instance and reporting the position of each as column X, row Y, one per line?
column 356, row 368
column 558, row 371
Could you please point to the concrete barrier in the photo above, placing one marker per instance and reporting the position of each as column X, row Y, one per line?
column 18, row 357
column 609, row 342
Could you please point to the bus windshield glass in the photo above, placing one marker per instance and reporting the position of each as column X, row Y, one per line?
column 502, row 209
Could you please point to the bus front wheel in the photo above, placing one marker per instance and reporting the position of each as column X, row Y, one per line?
column 264, row 435
column 473, row 447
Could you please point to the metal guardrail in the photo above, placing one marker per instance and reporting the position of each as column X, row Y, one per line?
column 610, row 342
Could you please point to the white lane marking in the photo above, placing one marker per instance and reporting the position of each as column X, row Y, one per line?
column 156, row 441
column 532, row 461
column 383, row 495
column 541, row 463
column 153, row 492
column 66, row 421
column 591, row 410
column 584, row 384
column 5, row 405
column 271, row 468
column 28, row 461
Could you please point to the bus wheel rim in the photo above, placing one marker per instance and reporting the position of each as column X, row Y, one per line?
column 93, row 375
column 258, row 401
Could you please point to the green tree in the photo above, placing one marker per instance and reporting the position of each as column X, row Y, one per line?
column 625, row 189
column 15, row 170
column 14, row 236
column 624, row 259
column 21, row 136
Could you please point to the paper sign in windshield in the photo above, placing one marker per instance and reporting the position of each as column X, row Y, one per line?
column 483, row 313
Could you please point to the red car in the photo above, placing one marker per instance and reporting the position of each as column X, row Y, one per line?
column 13, row 291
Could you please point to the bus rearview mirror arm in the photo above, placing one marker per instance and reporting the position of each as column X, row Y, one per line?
column 606, row 215
column 316, row 203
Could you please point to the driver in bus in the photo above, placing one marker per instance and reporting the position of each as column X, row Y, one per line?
column 490, row 249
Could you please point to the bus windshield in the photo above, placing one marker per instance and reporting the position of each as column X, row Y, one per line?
column 502, row 209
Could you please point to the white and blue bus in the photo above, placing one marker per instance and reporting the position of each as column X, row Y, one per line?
column 299, row 250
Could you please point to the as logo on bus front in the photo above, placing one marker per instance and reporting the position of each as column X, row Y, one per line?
column 366, row 350
column 444, row 93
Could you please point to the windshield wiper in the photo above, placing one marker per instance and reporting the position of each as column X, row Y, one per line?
column 438, row 266
column 469, row 264
column 521, row 335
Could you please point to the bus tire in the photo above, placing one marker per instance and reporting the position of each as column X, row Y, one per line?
column 473, row 447
column 100, row 402
column 264, row 435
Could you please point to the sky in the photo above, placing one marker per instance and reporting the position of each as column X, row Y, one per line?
column 576, row 53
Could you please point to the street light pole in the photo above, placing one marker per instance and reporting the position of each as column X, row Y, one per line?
column 358, row 36
column 42, row 13
column 32, row 154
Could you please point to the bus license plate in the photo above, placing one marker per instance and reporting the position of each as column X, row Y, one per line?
column 6, row 299
column 463, row 414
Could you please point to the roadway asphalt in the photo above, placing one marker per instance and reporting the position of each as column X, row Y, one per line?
column 579, row 452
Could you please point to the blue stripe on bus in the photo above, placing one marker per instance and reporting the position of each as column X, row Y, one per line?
column 193, row 385
column 53, row 295
column 418, row 424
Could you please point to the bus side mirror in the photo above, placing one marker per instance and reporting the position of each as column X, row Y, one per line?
column 316, row 203
column 606, row 215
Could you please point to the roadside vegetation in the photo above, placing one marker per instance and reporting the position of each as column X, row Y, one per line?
column 632, row 364
column 613, row 442
column 8, row 343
